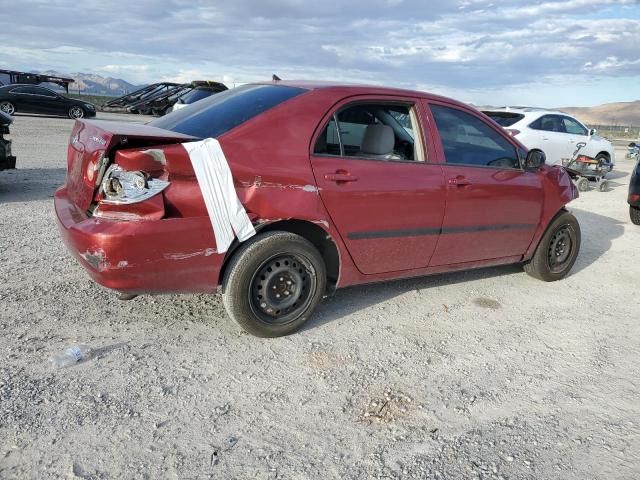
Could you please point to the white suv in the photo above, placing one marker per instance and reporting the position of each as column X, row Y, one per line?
column 555, row 133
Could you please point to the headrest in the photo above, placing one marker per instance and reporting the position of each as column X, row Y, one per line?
column 378, row 140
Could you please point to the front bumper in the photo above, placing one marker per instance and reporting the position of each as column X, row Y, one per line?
column 7, row 163
column 174, row 255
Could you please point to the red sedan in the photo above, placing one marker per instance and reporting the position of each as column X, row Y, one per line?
column 278, row 193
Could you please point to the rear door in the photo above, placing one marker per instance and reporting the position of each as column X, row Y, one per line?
column 554, row 141
column 47, row 101
column 386, row 201
column 493, row 205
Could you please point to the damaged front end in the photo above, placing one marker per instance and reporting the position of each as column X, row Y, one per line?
column 7, row 160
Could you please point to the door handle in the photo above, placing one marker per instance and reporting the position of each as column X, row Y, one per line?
column 459, row 181
column 340, row 176
column 545, row 138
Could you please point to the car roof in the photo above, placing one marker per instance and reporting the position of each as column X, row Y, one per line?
column 355, row 88
column 524, row 110
column 14, row 85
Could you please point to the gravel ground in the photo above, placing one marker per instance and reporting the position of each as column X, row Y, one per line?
column 487, row 374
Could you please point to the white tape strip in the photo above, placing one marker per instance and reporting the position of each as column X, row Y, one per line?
column 216, row 182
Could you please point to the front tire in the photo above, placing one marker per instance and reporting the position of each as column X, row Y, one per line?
column 273, row 284
column 634, row 214
column 557, row 251
column 76, row 112
column 7, row 107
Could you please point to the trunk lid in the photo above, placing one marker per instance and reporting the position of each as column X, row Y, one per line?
column 92, row 146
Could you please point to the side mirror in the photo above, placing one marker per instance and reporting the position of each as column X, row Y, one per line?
column 592, row 132
column 535, row 159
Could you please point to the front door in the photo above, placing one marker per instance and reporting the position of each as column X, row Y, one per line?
column 493, row 205
column 385, row 199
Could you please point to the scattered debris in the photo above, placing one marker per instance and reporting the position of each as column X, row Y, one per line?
column 487, row 303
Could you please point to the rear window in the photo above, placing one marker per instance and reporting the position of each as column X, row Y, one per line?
column 504, row 119
column 223, row 111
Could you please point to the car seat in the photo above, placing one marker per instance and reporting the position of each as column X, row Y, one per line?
column 378, row 142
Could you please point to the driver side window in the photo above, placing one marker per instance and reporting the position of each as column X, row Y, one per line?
column 377, row 131
column 467, row 140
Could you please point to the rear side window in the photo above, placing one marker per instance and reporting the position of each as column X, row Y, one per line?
column 549, row 123
column 467, row 140
column 504, row 119
column 221, row 112
column 377, row 131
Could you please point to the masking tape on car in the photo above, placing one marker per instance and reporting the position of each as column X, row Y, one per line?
column 216, row 183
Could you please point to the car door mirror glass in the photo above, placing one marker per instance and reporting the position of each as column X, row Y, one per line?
column 535, row 159
column 592, row 132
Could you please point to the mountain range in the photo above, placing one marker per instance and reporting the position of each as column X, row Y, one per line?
column 620, row 113
column 93, row 84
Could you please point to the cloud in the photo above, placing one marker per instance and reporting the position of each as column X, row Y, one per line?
column 460, row 46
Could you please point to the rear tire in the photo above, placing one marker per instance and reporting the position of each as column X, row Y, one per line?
column 7, row 107
column 273, row 284
column 557, row 251
column 76, row 112
column 634, row 213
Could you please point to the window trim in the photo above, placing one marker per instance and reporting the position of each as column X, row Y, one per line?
column 493, row 125
column 366, row 99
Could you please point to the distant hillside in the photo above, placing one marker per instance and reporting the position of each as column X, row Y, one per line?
column 92, row 84
column 621, row 113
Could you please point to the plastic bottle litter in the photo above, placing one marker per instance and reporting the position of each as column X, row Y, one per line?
column 71, row 356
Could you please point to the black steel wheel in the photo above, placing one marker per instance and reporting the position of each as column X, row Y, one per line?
column 557, row 250
column 273, row 283
column 560, row 248
column 282, row 288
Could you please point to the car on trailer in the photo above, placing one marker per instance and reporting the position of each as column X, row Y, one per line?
column 331, row 185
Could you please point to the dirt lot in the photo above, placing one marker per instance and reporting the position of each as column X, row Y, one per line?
column 487, row 374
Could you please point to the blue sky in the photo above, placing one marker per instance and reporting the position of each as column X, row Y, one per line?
column 544, row 53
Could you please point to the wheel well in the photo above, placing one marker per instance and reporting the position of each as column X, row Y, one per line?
column 604, row 154
column 310, row 231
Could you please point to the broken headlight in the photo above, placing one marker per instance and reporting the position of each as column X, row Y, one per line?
column 122, row 187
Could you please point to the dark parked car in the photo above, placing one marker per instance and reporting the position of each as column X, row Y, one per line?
column 24, row 98
column 7, row 161
column 324, row 186
column 634, row 194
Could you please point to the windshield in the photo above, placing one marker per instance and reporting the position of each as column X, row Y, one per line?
column 223, row 111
